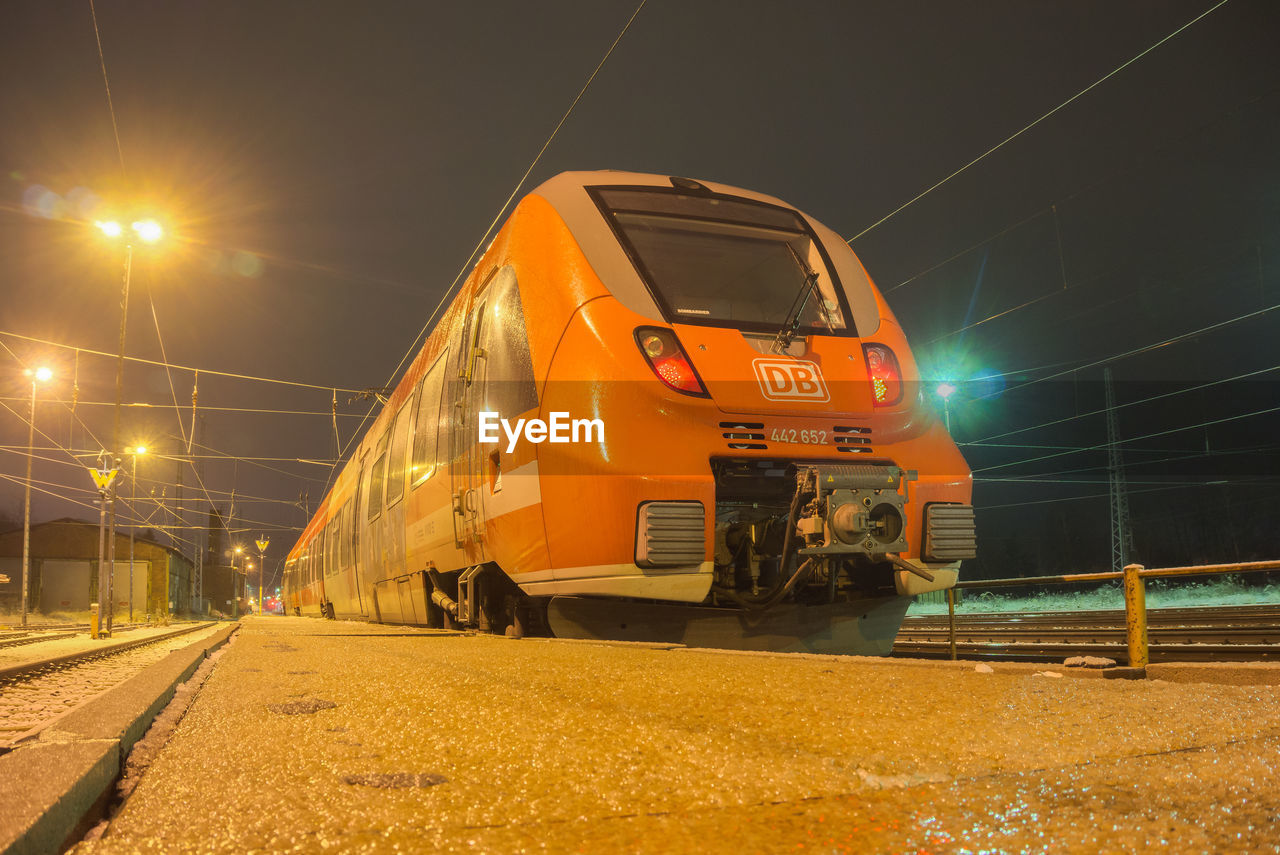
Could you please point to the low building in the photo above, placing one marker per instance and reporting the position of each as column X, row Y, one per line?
column 64, row 572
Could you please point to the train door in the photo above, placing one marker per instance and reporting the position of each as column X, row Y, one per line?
column 372, row 540
column 393, row 515
column 355, row 524
column 466, row 471
column 346, row 535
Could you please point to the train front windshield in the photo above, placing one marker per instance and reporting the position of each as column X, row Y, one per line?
column 725, row 261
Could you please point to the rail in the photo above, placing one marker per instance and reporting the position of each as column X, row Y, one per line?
column 1135, row 597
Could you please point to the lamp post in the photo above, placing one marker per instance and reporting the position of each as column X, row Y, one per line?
column 248, row 565
column 235, row 584
column 945, row 391
column 135, row 451
column 262, row 543
column 146, row 231
column 40, row 375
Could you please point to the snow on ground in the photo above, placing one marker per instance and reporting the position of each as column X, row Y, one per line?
column 1224, row 591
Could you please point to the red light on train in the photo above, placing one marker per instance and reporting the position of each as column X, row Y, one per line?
column 668, row 361
column 884, row 373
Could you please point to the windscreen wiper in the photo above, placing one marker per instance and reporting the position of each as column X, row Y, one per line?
column 808, row 288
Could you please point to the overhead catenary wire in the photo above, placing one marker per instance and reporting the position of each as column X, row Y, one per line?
column 1071, row 286
column 146, row 405
column 1208, row 423
column 1214, row 327
column 1144, row 162
column 484, row 238
column 111, row 108
column 1058, row 499
column 1238, row 377
column 1028, row 127
column 174, row 365
column 413, row 348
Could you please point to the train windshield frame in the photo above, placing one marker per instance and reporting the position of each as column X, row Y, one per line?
column 711, row 259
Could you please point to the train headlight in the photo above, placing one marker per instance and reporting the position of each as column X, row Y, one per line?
column 662, row 349
column 884, row 374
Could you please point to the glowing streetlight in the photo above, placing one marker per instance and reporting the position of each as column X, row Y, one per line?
column 944, row 391
column 147, row 231
column 40, row 375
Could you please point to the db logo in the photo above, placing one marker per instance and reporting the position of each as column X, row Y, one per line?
column 790, row 380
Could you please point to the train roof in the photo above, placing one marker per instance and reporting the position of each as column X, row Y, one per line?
column 567, row 193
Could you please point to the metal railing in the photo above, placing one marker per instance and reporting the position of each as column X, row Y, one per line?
column 1135, row 596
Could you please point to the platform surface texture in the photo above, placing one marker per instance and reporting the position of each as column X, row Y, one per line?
column 314, row 735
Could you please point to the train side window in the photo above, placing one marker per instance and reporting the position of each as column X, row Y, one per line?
column 504, row 341
column 428, row 423
column 348, row 538
column 339, row 535
column 395, row 461
column 377, row 477
column 330, row 560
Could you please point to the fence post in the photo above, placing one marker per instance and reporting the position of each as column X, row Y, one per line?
column 951, row 620
column 1135, row 616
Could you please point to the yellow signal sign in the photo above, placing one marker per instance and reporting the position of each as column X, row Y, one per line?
column 103, row 477
column 263, row 544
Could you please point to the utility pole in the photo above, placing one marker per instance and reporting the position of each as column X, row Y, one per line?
column 262, row 543
column 103, row 478
column 1121, row 533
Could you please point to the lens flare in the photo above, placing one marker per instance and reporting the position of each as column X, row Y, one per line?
column 149, row 231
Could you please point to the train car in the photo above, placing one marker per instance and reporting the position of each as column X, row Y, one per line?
column 658, row 409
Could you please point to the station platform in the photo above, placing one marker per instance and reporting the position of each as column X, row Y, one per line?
column 313, row 735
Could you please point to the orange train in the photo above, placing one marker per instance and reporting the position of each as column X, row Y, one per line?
column 658, row 409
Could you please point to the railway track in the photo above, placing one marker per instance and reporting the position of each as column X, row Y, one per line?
column 41, row 688
column 1224, row 633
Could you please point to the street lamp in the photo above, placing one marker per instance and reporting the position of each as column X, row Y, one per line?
column 40, row 375
column 145, row 231
column 133, row 502
column 945, row 391
column 235, row 583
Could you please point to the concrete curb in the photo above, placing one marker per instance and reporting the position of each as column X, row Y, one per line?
column 50, row 787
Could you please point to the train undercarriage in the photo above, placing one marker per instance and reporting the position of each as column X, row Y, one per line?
column 805, row 556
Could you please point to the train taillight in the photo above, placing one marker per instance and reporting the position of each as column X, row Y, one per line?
column 661, row 348
column 884, row 373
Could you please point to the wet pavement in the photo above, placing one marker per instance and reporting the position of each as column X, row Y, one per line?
column 313, row 735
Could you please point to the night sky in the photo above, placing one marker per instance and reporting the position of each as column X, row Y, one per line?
column 326, row 169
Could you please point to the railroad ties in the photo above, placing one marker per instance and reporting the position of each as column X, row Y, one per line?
column 45, row 672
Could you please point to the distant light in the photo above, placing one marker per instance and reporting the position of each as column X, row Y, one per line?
column 945, row 390
column 148, row 230
column 110, row 228
column 44, row 375
column 141, row 449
